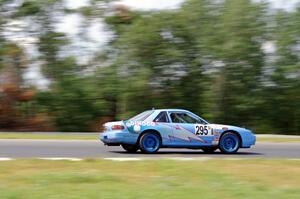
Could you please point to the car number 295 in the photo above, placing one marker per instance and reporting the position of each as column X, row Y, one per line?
column 203, row 130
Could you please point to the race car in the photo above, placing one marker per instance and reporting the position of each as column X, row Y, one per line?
column 174, row 128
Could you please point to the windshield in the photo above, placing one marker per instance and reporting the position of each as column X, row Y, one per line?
column 142, row 116
column 183, row 117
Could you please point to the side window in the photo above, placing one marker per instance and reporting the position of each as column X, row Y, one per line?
column 162, row 117
column 175, row 117
column 183, row 118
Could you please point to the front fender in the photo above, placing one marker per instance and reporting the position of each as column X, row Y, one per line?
column 247, row 136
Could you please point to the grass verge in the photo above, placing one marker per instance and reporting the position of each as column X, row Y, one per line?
column 226, row 179
column 276, row 139
column 47, row 136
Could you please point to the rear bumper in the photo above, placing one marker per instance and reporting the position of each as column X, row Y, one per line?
column 114, row 138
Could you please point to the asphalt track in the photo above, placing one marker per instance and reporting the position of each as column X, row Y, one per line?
column 24, row 148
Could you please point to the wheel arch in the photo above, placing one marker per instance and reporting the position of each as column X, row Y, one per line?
column 147, row 131
column 235, row 132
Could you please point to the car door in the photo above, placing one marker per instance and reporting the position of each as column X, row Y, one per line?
column 189, row 130
column 163, row 126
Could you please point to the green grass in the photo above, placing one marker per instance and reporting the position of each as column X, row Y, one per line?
column 226, row 179
column 278, row 139
column 47, row 136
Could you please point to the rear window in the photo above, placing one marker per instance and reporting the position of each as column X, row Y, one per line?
column 162, row 117
column 142, row 116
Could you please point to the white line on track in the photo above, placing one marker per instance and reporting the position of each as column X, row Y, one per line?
column 124, row 159
column 189, row 159
column 61, row 158
column 5, row 159
column 170, row 158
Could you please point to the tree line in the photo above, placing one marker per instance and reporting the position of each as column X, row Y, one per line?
column 233, row 62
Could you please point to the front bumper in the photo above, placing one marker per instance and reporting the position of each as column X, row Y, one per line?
column 118, row 137
column 249, row 139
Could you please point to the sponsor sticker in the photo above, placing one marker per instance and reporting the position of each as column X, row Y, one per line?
column 139, row 123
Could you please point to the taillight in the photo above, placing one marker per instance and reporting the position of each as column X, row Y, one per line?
column 117, row 127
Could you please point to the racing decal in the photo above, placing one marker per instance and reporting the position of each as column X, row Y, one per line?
column 184, row 134
column 215, row 140
column 139, row 123
column 203, row 130
column 136, row 128
column 187, row 139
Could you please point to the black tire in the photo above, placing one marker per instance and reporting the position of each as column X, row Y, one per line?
column 229, row 143
column 209, row 149
column 150, row 142
column 130, row 148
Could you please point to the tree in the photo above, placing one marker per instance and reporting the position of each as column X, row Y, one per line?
column 284, row 92
column 241, row 34
column 169, row 59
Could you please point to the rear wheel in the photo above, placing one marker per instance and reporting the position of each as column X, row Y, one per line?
column 229, row 143
column 149, row 142
column 130, row 148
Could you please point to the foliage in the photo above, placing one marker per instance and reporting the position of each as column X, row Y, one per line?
column 207, row 56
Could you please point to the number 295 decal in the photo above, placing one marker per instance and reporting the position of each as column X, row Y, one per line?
column 203, row 130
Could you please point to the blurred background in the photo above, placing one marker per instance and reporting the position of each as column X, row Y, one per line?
column 71, row 65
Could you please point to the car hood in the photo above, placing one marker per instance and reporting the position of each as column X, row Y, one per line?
column 228, row 127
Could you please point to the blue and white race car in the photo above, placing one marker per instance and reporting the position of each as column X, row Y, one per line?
column 176, row 128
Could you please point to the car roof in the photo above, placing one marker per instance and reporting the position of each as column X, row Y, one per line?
column 157, row 111
column 171, row 109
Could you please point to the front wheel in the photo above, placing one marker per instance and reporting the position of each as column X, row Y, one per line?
column 150, row 142
column 130, row 148
column 229, row 143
